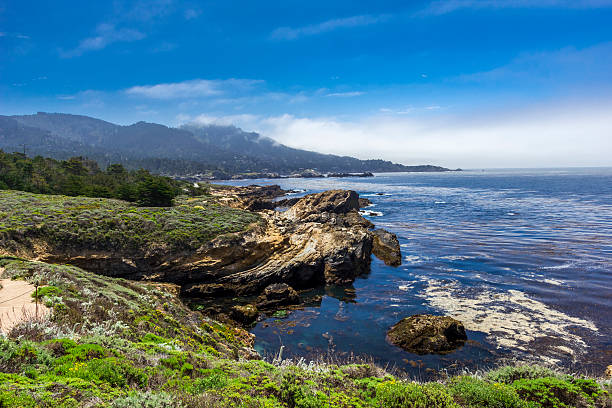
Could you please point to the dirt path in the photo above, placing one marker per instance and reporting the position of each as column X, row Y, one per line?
column 16, row 303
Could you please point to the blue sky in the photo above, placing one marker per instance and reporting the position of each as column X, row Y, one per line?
column 462, row 83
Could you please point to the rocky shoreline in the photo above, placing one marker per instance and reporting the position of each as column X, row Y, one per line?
column 317, row 240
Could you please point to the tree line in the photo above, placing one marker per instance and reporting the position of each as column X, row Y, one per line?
column 79, row 176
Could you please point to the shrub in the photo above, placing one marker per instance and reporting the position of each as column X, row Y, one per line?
column 13, row 399
column 509, row 374
column 473, row 392
column 147, row 400
column 213, row 379
column 46, row 291
column 405, row 394
column 552, row 392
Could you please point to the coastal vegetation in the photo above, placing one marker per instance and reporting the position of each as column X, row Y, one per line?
column 79, row 176
column 65, row 222
column 115, row 343
column 118, row 343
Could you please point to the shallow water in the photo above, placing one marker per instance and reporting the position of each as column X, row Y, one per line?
column 522, row 257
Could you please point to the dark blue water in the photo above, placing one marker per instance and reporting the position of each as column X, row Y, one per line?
column 522, row 257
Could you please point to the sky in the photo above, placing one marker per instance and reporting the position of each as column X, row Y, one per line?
column 457, row 83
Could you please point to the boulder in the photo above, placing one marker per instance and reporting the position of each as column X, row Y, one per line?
column 386, row 247
column 278, row 294
column 364, row 202
column 332, row 201
column 245, row 314
column 609, row 372
column 428, row 334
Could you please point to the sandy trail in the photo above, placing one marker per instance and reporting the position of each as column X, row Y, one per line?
column 16, row 303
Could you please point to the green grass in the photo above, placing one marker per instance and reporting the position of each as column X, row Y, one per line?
column 116, row 343
column 66, row 223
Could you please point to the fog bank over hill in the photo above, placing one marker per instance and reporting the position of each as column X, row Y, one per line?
column 189, row 149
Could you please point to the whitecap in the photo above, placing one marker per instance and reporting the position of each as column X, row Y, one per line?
column 371, row 213
column 554, row 282
column 557, row 267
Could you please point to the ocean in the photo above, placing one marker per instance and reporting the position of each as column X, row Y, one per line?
column 522, row 257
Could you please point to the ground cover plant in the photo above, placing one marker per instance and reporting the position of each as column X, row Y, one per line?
column 64, row 222
column 117, row 343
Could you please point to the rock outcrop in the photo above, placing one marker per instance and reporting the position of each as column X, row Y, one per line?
column 245, row 314
column 386, row 247
column 426, row 334
column 320, row 239
column 278, row 294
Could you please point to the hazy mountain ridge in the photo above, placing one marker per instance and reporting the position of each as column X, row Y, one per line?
column 188, row 149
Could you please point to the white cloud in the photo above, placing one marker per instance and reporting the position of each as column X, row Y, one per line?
column 245, row 120
column 106, row 34
column 196, row 88
column 115, row 29
column 15, row 35
column 564, row 135
column 291, row 33
column 345, row 94
column 440, row 7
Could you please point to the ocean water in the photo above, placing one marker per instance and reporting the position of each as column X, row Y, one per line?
column 522, row 257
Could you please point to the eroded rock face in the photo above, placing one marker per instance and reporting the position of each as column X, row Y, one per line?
column 386, row 247
column 313, row 206
column 426, row 334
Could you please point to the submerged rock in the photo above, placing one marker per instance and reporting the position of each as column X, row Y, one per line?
column 426, row 334
column 386, row 247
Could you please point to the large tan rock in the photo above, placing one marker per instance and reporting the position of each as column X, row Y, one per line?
column 425, row 334
column 332, row 201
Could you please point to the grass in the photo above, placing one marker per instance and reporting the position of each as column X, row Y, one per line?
column 78, row 223
column 116, row 343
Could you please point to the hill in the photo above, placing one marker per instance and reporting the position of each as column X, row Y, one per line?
column 219, row 151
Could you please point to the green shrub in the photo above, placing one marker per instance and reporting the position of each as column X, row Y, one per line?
column 509, row 374
column 46, row 291
column 14, row 399
column 405, row 394
column 211, row 380
column 552, row 392
column 473, row 392
column 109, row 370
column 15, row 355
